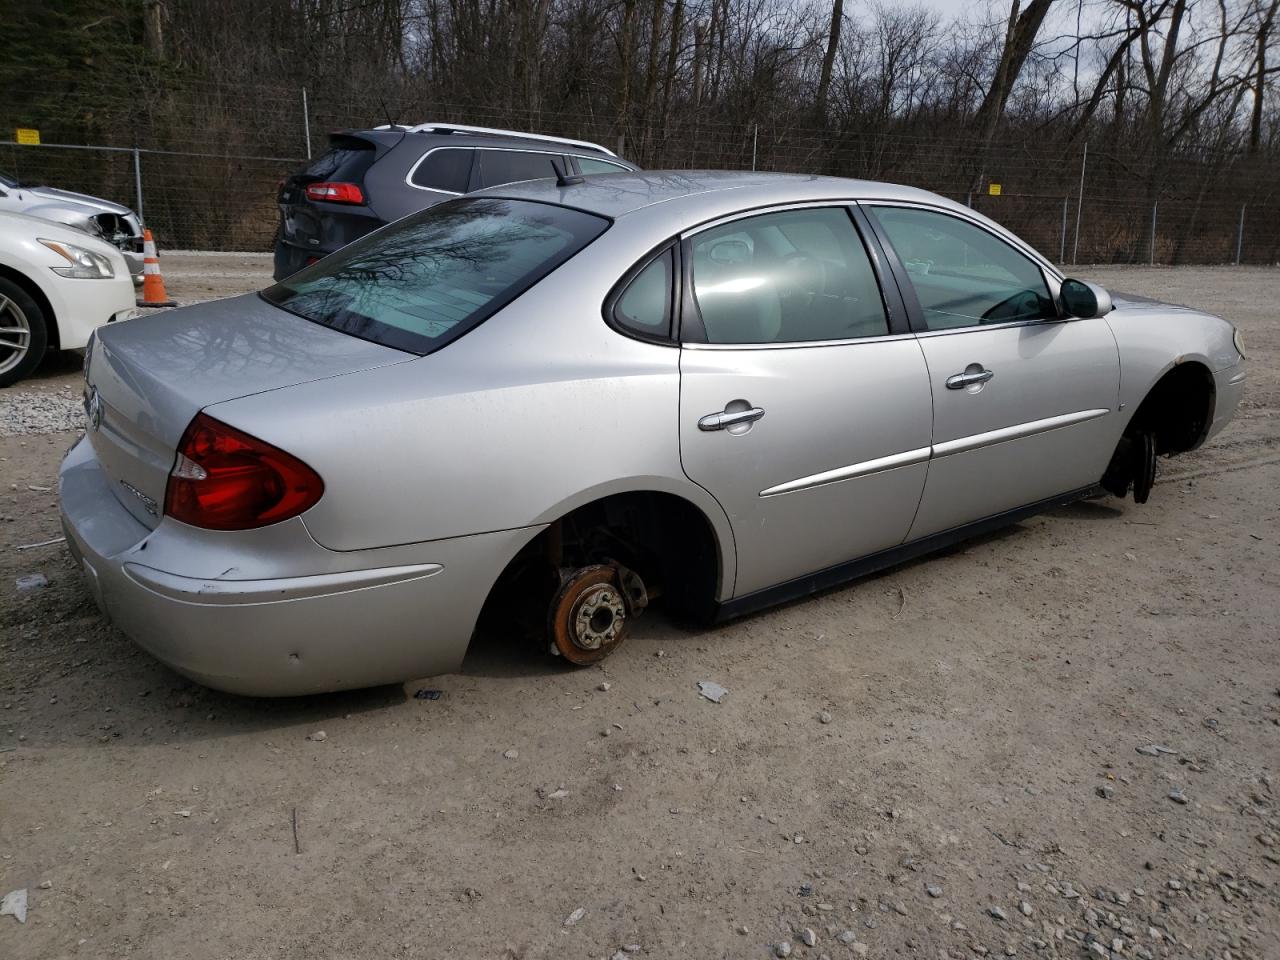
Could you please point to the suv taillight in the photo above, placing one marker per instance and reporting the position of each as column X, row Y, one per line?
column 227, row 480
column 335, row 192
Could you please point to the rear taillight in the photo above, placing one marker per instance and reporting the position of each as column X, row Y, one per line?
column 227, row 480
column 335, row 192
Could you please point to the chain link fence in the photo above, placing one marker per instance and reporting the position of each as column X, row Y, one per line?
column 203, row 190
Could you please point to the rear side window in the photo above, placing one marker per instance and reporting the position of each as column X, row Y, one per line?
column 447, row 168
column 511, row 166
column 589, row 165
column 644, row 308
column 426, row 280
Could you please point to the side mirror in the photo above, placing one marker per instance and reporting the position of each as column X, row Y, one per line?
column 1082, row 300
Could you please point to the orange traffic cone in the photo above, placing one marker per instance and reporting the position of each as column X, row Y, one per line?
column 153, row 294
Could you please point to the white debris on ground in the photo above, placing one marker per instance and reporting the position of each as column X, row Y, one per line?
column 25, row 410
column 14, row 905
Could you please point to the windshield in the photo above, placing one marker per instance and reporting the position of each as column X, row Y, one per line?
column 426, row 280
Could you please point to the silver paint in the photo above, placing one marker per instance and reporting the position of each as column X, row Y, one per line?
column 439, row 469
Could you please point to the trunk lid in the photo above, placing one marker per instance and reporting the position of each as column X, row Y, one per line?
column 147, row 378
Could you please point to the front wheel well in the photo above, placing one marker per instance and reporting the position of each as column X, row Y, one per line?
column 1178, row 409
column 662, row 537
column 36, row 294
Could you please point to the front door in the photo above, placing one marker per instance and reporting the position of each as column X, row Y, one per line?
column 803, row 410
column 1023, row 401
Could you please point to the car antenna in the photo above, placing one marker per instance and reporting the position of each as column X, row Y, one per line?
column 390, row 121
column 563, row 177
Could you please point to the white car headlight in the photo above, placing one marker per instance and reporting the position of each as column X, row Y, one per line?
column 1239, row 342
column 83, row 264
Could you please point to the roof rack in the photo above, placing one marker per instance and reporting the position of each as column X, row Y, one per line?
column 438, row 127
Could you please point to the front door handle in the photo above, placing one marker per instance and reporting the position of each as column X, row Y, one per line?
column 730, row 418
column 969, row 377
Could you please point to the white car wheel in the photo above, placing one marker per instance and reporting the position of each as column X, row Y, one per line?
column 23, row 334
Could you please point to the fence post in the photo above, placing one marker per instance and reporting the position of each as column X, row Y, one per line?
column 1240, row 235
column 968, row 200
column 1154, row 206
column 1062, row 245
column 1075, row 246
column 755, row 136
column 306, row 122
column 137, row 180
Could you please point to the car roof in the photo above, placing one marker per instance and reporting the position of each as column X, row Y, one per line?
column 616, row 195
column 444, row 136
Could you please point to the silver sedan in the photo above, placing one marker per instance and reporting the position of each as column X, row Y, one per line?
column 552, row 404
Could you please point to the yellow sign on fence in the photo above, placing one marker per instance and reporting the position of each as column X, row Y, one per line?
column 993, row 189
column 28, row 136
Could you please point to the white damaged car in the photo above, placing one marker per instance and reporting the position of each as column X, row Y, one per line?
column 57, row 285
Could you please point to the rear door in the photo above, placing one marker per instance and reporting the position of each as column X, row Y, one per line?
column 498, row 167
column 804, row 400
column 1022, row 399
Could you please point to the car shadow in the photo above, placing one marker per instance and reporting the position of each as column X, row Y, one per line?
column 1091, row 509
column 496, row 654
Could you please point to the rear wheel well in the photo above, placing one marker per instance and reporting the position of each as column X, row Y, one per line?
column 1178, row 409
column 662, row 537
column 36, row 294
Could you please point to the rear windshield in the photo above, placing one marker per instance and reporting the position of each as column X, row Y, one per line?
column 348, row 159
column 425, row 280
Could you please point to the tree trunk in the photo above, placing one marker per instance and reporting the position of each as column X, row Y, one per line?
column 828, row 61
column 1260, row 76
column 673, row 53
column 627, row 59
column 153, row 27
column 1020, row 36
column 651, row 74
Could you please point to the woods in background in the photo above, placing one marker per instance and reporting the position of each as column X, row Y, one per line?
column 1176, row 98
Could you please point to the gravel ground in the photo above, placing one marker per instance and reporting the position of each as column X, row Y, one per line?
column 1061, row 740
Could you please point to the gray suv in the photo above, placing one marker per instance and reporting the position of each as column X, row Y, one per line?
column 370, row 177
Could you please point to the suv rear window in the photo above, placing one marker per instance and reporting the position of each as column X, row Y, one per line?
column 347, row 160
column 445, row 168
column 424, row 281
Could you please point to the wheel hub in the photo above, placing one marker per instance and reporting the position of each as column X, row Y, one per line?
column 589, row 615
column 598, row 617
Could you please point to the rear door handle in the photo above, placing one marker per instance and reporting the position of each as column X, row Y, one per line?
column 724, row 419
column 968, row 378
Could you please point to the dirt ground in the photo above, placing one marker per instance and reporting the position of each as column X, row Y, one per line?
column 942, row 761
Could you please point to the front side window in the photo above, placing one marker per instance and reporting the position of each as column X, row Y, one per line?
column 447, row 168
column 794, row 276
column 429, row 278
column 964, row 276
column 511, row 166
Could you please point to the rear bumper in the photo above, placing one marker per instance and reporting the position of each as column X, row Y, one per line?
column 310, row 620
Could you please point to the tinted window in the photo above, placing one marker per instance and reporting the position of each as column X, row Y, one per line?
column 446, row 169
column 786, row 277
column 510, row 166
column 963, row 275
column 347, row 161
column 645, row 306
column 429, row 278
column 588, row 165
